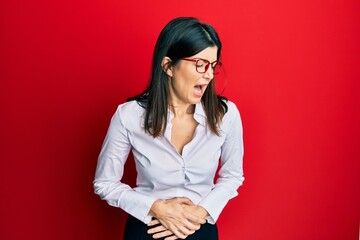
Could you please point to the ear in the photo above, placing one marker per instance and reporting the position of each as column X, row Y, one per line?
column 166, row 66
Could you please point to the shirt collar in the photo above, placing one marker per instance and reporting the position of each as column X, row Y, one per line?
column 199, row 114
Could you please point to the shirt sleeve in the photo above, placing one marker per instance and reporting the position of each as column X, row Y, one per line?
column 231, row 171
column 109, row 172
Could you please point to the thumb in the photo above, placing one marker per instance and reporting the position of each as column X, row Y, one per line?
column 186, row 201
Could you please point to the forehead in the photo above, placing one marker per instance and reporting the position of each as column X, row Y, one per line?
column 209, row 53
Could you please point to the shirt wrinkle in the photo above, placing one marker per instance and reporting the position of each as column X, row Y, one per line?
column 164, row 174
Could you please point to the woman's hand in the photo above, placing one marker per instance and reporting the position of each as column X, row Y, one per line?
column 196, row 210
column 160, row 231
column 174, row 218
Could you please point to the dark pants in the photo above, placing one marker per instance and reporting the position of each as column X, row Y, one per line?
column 137, row 230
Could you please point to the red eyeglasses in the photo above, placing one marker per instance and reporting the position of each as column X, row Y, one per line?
column 202, row 65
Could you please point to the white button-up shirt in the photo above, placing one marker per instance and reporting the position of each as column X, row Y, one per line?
column 162, row 173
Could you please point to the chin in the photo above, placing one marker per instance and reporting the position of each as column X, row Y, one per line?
column 195, row 100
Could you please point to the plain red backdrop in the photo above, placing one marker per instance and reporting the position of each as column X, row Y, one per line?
column 292, row 67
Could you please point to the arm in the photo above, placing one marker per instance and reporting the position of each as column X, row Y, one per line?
column 109, row 172
column 108, row 186
column 231, row 171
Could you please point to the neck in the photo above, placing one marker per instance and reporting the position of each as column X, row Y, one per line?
column 181, row 110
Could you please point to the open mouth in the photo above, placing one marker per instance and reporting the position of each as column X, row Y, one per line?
column 199, row 89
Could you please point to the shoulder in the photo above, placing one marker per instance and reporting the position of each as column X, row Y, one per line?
column 129, row 112
column 232, row 110
column 130, row 106
column 231, row 117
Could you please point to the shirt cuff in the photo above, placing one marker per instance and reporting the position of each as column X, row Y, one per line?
column 214, row 203
column 136, row 204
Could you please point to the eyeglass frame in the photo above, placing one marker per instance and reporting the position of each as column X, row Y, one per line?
column 195, row 60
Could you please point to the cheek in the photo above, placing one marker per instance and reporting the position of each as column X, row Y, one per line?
column 188, row 74
column 191, row 79
column 185, row 79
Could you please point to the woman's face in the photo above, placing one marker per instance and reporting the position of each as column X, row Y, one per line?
column 186, row 85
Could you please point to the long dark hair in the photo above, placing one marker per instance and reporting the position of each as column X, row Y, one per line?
column 182, row 37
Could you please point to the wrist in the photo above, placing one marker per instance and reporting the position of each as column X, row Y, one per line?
column 202, row 212
column 155, row 207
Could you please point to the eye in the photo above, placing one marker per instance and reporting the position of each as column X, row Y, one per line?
column 200, row 63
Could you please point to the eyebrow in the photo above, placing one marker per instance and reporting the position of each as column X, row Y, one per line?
column 199, row 58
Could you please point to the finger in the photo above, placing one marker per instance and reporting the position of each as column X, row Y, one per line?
column 190, row 226
column 173, row 237
column 186, row 201
column 193, row 218
column 185, row 230
column 176, row 232
column 179, row 234
column 163, row 234
column 153, row 223
column 156, row 229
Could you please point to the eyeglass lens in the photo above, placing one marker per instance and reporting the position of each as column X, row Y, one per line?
column 203, row 65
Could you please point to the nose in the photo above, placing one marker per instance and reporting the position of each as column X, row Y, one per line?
column 209, row 74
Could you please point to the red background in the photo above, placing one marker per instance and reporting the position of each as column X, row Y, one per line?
column 292, row 68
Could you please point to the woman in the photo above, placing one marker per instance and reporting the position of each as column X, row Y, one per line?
column 177, row 130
